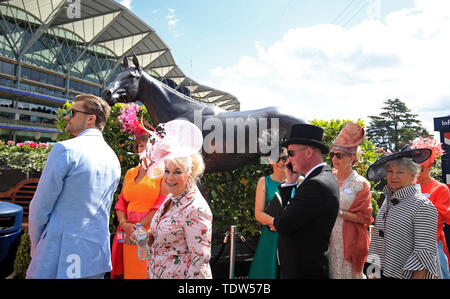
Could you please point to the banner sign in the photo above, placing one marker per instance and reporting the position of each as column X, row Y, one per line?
column 442, row 124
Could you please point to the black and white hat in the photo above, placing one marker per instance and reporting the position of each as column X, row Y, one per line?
column 377, row 171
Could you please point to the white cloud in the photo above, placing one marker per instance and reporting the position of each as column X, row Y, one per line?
column 328, row 72
column 126, row 3
column 172, row 23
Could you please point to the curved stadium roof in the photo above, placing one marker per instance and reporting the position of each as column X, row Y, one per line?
column 90, row 43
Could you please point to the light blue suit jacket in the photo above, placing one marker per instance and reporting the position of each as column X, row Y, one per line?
column 69, row 213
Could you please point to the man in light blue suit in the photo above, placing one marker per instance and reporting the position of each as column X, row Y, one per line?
column 69, row 213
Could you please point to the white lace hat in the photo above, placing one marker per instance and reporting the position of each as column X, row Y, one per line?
column 178, row 139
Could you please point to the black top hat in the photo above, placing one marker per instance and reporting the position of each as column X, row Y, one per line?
column 307, row 134
column 377, row 171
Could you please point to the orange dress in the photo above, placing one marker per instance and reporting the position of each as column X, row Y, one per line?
column 438, row 193
column 141, row 198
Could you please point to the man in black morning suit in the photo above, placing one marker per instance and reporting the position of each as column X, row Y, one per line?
column 306, row 223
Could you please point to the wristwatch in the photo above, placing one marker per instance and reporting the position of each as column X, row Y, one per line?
column 341, row 213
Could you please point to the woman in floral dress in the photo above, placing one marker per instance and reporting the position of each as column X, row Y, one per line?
column 181, row 230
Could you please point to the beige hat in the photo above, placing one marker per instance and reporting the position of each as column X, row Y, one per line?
column 350, row 137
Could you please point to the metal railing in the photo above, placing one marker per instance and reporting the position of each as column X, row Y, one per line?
column 231, row 235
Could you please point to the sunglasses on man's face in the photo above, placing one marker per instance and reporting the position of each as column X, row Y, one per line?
column 337, row 155
column 72, row 111
column 291, row 153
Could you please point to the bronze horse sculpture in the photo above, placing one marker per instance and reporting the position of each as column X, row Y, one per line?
column 231, row 139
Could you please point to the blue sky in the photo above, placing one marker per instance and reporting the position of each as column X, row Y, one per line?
column 319, row 59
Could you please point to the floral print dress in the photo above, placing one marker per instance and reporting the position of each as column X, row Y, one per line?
column 182, row 238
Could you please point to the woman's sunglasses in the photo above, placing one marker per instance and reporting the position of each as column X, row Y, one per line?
column 337, row 155
column 283, row 158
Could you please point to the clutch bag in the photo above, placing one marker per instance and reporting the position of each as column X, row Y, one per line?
column 275, row 207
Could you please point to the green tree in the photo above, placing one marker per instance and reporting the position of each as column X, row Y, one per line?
column 395, row 126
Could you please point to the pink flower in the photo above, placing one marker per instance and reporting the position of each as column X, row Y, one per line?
column 32, row 144
column 130, row 121
column 44, row 146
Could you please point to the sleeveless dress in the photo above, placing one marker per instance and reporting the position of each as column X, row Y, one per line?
column 141, row 198
column 341, row 269
column 265, row 261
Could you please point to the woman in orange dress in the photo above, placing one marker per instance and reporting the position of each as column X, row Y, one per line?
column 439, row 194
column 141, row 196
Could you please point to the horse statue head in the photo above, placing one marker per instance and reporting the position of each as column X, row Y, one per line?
column 125, row 88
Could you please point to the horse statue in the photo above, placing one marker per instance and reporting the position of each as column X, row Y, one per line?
column 231, row 139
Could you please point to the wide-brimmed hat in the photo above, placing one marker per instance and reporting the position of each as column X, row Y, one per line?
column 377, row 170
column 307, row 134
column 349, row 138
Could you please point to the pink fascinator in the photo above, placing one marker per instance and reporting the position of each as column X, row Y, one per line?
column 433, row 145
column 129, row 119
column 178, row 139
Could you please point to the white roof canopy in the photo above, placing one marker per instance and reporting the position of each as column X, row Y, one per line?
column 98, row 28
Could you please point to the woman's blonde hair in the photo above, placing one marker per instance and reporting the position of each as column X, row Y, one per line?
column 194, row 163
column 357, row 156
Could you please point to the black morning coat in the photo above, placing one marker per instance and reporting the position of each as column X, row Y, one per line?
column 305, row 226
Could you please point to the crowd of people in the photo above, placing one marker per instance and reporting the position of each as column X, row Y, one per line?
column 319, row 230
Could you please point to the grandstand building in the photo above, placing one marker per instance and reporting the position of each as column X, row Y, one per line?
column 53, row 50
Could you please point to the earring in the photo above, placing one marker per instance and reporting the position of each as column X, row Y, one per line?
column 190, row 182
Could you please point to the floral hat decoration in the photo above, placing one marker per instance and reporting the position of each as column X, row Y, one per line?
column 132, row 125
column 433, row 145
column 174, row 139
column 130, row 122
